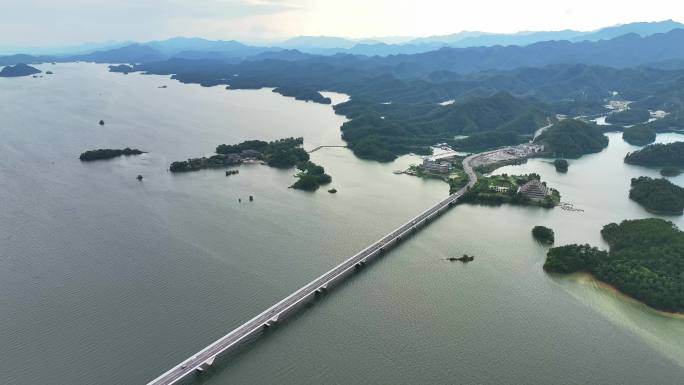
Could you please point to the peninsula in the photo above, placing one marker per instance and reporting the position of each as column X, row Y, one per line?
column 645, row 261
column 526, row 190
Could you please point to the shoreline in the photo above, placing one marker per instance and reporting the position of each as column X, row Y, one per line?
column 589, row 279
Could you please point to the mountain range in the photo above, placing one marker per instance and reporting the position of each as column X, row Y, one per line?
column 231, row 50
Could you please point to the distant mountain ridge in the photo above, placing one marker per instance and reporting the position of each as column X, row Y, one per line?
column 231, row 50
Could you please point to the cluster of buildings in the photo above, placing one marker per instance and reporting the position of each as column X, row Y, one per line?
column 534, row 189
column 215, row 161
column 438, row 166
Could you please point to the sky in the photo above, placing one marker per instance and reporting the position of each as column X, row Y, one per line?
column 45, row 23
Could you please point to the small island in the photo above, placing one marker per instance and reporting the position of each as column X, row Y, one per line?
column 638, row 135
column 311, row 177
column 645, row 261
column 122, row 68
column 561, row 165
column 658, row 196
column 18, row 71
column 108, row 153
column 658, row 155
column 527, row 190
column 465, row 258
column 543, row 235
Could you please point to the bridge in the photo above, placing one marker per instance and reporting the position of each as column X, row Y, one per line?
column 205, row 357
column 320, row 147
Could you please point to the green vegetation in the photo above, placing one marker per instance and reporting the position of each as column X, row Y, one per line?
column 543, row 235
column 572, row 138
column 629, row 116
column 501, row 189
column 561, row 165
column 196, row 164
column 381, row 132
column 659, row 196
column 282, row 153
column 311, row 177
column 639, row 135
column 456, row 177
column 301, row 93
column 646, row 261
column 658, row 155
column 108, row 153
column 670, row 171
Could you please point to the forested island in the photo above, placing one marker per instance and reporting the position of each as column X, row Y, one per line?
column 121, row 68
column 543, row 235
column 573, row 138
column 511, row 189
column 108, row 153
column 645, row 261
column 629, row 116
column 18, row 71
column 282, row 153
column 561, row 165
column 302, row 93
column 639, row 135
column 658, row 155
column 659, row 196
column 311, row 177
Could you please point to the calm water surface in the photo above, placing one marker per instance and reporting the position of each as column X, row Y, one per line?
column 105, row 280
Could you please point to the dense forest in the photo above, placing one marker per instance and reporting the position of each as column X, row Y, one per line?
column 381, row 131
column 108, row 153
column 572, row 138
column 543, row 235
column 658, row 155
column 639, row 135
column 659, row 196
column 646, row 261
column 396, row 104
column 282, row 153
column 311, row 177
column 629, row 116
column 561, row 165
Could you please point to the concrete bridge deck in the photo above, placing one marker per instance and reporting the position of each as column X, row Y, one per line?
column 206, row 356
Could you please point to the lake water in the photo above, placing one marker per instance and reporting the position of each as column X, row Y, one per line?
column 107, row 280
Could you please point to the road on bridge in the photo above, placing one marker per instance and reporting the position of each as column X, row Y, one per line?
column 206, row 356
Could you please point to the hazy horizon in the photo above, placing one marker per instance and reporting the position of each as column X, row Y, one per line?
column 31, row 24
